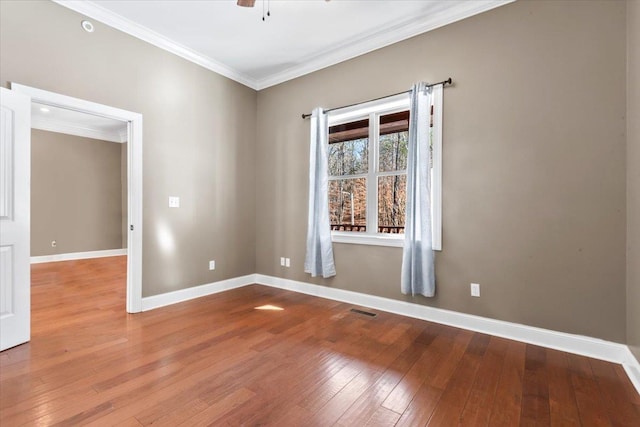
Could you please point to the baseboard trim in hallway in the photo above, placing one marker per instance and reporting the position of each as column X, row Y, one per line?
column 78, row 255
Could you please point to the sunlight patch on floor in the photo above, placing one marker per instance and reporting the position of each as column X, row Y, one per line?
column 269, row 307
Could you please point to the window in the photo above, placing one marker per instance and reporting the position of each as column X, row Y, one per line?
column 368, row 171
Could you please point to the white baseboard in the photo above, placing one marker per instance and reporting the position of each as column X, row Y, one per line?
column 578, row 344
column 632, row 368
column 570, row 343
column 77, row 255
column 156, row 301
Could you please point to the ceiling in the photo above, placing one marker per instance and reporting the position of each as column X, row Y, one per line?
column 63, row 120
column 300, row 36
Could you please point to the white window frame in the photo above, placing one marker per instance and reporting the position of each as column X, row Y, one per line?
column 372, row 110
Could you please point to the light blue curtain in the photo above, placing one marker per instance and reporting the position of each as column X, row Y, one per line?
column 319, row 258
column 418, row 275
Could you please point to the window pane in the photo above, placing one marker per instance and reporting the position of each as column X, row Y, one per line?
column 349, row 157
column 348, row 204
column 392, row 192
column 349, row 148
column 358, row 129
column 394, row 133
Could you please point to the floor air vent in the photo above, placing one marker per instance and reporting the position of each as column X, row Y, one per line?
column 366, row 313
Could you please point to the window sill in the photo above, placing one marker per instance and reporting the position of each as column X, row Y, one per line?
column 356, row 238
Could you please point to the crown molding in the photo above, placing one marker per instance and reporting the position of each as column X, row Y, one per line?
column 127, row 26
column 348, row 50
column 377, row 40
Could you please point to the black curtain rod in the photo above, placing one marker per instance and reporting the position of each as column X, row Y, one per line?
column 443, row 83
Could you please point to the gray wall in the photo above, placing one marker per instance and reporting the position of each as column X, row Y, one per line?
column 633, row 176
column 199, row 133
column 76, row 194
column 534, row 165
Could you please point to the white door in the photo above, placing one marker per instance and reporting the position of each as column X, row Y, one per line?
column 15, row 217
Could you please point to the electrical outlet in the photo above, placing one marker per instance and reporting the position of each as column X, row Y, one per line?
column 475, row 289
column 54, row 243
column 287, row 262
column 174, row 202
column 212, row 265
column 282, row 261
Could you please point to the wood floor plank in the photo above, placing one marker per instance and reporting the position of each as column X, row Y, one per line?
column 613, row 395
column 294, row 416
column 630, row 392
column 171, row 412
column 421, row 408
column 477, row 410
column 220, row 408
column 435, row 365
column 217, row 360
column 535, row 388
column 508, row 401
column 454, row 398
column 590, row 406
column 382, row 417
column 372, row 399
column 341, row 401
column 563, row 409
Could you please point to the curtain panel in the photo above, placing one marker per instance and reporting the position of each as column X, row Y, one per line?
column 319, row 254
column 418, row 270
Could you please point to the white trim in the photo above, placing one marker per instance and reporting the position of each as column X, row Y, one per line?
column 570, row 343
column 134, row 185
column 134, row 215
column 127, row 26
column 385, row 105
column 578, row 344
column 632, row 367
column 372, row 110
column 162, row 300
column 350, row 49
column 60, row 126
column 370, row 42
column 77, row 255
column 356, row 238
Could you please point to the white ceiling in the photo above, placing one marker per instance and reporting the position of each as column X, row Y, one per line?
column 300, row 36
column 63, row 120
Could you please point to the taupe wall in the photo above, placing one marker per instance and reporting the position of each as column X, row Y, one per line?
column 76, row 194
column 633, row 176
column 199, row 132
column 534, row 161
column 534, row 165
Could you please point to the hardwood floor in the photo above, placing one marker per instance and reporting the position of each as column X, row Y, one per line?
column 219, row 361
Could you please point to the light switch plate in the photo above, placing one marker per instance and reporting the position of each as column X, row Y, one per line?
column 212, row 265
column 174, row 202
column 287, row 262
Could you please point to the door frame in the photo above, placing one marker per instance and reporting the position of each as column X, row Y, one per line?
column 134, row 181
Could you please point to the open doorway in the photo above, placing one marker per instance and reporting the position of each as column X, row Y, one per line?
column 120, row 127
column 78, row 185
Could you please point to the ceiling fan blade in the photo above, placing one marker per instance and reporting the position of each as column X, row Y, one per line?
column 246, row 3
